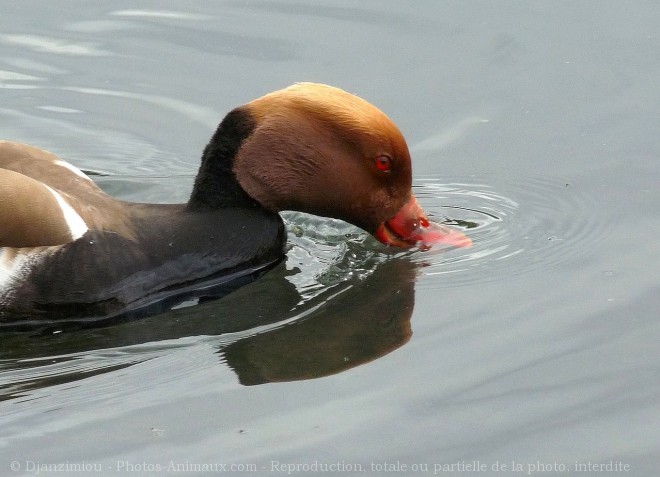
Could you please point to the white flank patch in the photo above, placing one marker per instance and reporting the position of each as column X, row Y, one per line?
column 6, row 269
column 73, row 169
column 77, row 226
column 13, row 270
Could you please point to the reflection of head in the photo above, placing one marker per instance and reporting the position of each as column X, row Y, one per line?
column 368, row 320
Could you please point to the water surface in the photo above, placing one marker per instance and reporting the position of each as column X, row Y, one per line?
column 533, row 126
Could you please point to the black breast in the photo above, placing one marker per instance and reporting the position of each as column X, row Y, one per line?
column 172, row 259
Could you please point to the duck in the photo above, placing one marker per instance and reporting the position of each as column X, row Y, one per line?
column 69, row 251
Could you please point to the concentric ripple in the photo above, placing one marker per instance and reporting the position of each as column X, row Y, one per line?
column 516, row 225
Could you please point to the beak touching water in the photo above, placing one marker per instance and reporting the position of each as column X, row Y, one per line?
column 410, row 227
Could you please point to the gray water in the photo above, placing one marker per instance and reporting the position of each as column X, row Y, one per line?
column 533, row 125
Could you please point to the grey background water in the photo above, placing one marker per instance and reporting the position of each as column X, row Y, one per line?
column 534, row 123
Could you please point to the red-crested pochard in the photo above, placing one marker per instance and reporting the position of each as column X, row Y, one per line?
column 69, row 251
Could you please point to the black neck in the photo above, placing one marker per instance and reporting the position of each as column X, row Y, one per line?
column 216, row 185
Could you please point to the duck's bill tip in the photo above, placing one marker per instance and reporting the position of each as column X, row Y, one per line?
column 410, row 227
column 437, row 234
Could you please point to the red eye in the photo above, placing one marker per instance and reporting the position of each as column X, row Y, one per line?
column 383, row 163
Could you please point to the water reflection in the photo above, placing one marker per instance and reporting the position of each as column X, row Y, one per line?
column 265, row 332
column 368, row 320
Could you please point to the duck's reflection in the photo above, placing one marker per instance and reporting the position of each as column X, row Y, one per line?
column 369, row 319
column 266, row 331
